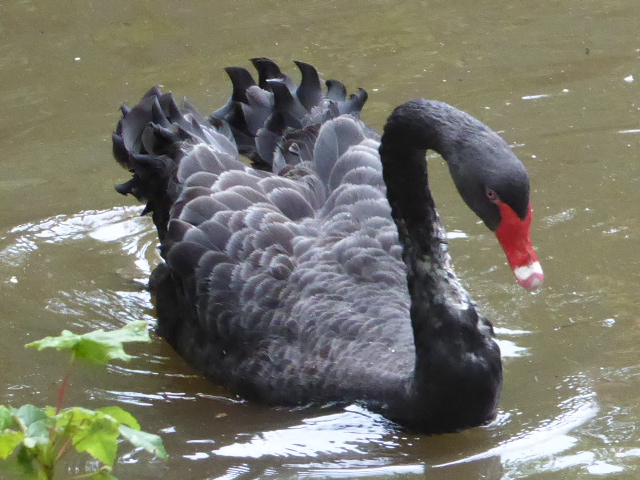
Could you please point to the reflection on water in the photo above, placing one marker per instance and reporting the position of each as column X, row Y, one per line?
column 523, row 452
column 330, row 434
column 120, row 225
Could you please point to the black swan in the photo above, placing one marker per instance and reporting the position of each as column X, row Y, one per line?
column 320, row 274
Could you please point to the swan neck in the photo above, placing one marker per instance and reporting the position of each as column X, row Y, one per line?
column 409, row 132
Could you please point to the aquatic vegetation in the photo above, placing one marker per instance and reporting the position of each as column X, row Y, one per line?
column 34, row 439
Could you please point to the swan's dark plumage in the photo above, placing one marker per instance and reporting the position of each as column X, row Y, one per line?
column 319, row 274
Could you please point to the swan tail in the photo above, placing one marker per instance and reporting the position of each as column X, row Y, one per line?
column 273, row 122
column 309, row 92
column 269, row 70
column 266, row 116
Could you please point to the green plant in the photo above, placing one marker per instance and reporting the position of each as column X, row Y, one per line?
column 34, row 439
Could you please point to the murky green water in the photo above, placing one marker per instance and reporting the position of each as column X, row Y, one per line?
column 558, row 79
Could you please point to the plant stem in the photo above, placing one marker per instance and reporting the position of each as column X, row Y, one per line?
column 63, row 387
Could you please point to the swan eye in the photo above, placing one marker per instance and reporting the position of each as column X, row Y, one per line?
column 492, row 195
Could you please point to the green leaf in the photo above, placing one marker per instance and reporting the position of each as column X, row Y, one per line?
column 35, row 423
column 38, row 433
column 100, row 439
column 91, row 431
column 9, row 440
column 76, row 419
column 28, row 414
column 98, row 346
column 150, row 442
column 28, row 465
column 6, row 417
column 121, row 416
column 19, row 467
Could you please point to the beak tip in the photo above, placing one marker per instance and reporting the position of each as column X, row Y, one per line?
column 530, row 277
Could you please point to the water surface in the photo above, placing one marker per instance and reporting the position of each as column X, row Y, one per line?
column 559, row 80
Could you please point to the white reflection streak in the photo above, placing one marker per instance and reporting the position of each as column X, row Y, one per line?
column 536, row 97
column 387, row 471
column 546, row 440
column 508, row 348
column 329, row 434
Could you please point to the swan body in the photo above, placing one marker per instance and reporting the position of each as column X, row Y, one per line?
column 321, row 273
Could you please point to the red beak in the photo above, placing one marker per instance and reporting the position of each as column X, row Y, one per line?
column 514, row 236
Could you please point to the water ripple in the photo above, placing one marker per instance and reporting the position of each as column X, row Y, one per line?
column 329, row 434
column 122, row 224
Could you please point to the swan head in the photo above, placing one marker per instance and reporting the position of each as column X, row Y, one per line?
column 490, row 178
column 495, row 185
column 505, row 208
